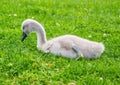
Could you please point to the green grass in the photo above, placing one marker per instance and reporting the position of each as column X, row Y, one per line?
column 22, row 64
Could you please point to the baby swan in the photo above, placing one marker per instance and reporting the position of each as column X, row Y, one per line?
column 69, row 46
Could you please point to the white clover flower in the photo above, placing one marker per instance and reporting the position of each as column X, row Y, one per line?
column 104, row 35
column 90, row 36
column 32, row 17
column 15, row 15
column 101, row 78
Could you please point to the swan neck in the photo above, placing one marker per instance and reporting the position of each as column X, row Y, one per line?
column 41, row 37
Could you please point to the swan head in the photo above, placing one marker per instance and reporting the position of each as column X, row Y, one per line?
column 27, row 28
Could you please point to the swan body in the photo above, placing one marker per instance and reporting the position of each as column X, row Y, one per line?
column 69, row 46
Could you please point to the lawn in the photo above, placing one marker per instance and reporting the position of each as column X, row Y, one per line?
column 96, row 20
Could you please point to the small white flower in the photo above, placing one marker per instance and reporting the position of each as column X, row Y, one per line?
column 90, row 36
column 32, row 17
column 104, row 35
column 15, row 15
column 101, row 78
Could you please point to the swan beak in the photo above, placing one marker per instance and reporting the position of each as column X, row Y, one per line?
column 23, row 36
